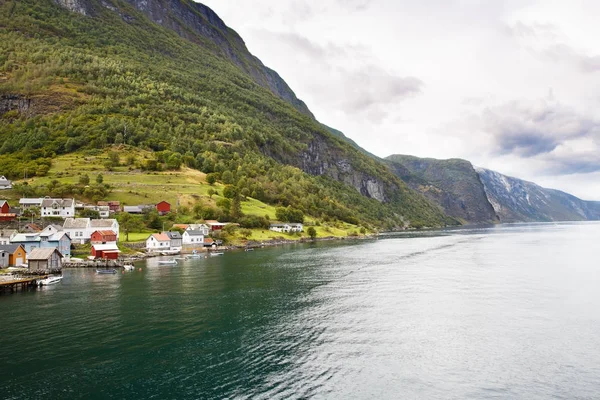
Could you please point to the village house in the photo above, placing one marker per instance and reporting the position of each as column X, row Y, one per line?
column 31, row 228
column 5, row 183
column 6, row 234
column 3, row 258
column 77, row 229
column 48, row 238
column 163, row 208
column 109, row 251
column 286, row 228
column 216, row 225
column 136, row 209
column 193, row 237
column 44, row 259
column 80, row 229
column 26, row 203
column 103, row 211
column 212, row 243
column 176, row 242
column 205, row 229
column 63, row 208
column 4, row 207
column 103, row 237
column 113, row 206
column 16, row 254
column 158, row 242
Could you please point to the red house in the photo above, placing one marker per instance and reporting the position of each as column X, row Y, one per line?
column 105, row 251
column 4, row 207
column 163, row 208
column 103, row 237
column 113, row 206
column 5, row 214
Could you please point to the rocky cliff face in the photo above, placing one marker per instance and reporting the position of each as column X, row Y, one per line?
column 452, row 184
column 198, row 23
column 517, row 200
column 20, row 104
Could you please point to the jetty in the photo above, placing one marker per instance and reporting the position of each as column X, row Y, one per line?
column 14, row 283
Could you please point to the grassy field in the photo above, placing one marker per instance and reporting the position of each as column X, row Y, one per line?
column 132, row 186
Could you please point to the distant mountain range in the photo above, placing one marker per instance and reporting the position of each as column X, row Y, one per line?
column 478, row 195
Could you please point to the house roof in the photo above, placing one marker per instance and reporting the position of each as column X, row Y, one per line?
column 181, row 226
column 3, row 202
column 11, row 248
column 102, row 223
column 42, row 253
column 163, row 202
column 195, row 233
column 208, row 240
column 60, row 202
column 7, row 232
column 30, row 201
column 26, row 237
column 173, row 235
column 76, row 223
column 161, row 237
column 105, row 233
column 4, row 181
column 106, row 247
column 33, row 227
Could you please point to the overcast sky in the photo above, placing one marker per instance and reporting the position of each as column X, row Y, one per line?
column 513, row 86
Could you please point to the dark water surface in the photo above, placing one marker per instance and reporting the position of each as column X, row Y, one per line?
column 510, row 312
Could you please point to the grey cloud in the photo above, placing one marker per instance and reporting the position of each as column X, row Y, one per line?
column 536, row 130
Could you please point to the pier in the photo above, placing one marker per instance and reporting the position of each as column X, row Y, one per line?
column 13, row 283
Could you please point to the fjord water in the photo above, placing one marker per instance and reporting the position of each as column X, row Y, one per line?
column 505, row 312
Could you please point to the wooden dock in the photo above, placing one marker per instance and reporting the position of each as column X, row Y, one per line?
column 15, row 283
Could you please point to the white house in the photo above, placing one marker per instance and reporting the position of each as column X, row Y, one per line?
column 6, row 234
column 5, row 183
column 103, row 211
column 203, row 228
column 26, row 203
column 193, row 237
column 80, row 229
column 63, row 208
column 286, row 228
column 158, row 242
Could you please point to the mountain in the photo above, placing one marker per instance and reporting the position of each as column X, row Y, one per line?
column 84, row 76
column 452, row 184
column 518, row 200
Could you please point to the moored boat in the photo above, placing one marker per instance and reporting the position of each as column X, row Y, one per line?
column 51, row 280
column 216, row 254
column 167, row 262
column 106, row 271
column 128, row 267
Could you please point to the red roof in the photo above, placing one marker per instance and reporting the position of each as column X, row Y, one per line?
column 106, row 233
column 161, row 237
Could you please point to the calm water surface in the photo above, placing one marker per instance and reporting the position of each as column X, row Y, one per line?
column 510, row 312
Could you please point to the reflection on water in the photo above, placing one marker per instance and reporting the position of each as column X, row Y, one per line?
column 500, row 312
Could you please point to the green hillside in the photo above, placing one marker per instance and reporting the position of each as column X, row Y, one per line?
column 71, row 83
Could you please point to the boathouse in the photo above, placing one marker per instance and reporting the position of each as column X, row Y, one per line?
column 44, row 259
column 163, row 208
column 103, row 237
column 105, row 251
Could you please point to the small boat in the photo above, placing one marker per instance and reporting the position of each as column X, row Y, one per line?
column 169, row 252
column 216, row 254
column 128, row 267
column 194, row 254
column 249, row 249
column 51, row 280
column 106, row 271
column 167, row 262
column 16, row 268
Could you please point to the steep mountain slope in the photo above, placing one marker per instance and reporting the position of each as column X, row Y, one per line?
column 169, row 76
column 453, row 184
column 517, row 200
